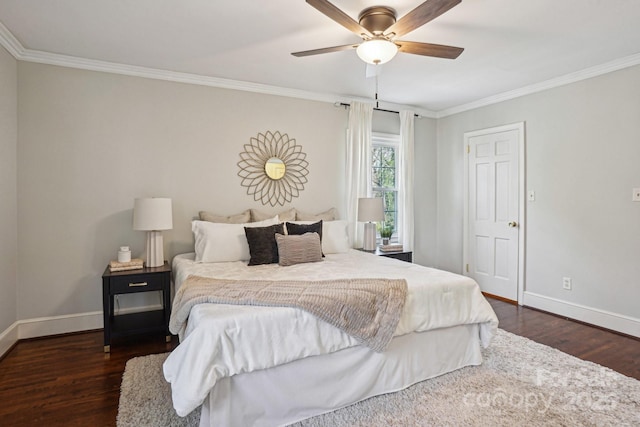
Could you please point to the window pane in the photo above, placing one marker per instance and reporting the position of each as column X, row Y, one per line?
column 389, row 201
column 384, row 167
column 383, row 182
column 390, row 207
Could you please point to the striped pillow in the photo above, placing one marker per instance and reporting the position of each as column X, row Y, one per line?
column 298, row 249
column 296, row 228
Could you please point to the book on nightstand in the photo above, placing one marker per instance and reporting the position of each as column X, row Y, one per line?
column 391, row 248
column 134, row 264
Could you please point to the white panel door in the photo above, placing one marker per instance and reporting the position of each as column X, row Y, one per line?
column 493, row 212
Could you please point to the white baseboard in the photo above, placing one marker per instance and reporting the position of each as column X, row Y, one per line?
column 605, row 319
column 8, row 338
column 56, row 325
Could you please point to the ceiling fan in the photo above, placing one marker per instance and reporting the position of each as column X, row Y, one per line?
column 379, row 29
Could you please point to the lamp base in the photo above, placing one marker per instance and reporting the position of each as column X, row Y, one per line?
column 155, row 249
column 369, row 243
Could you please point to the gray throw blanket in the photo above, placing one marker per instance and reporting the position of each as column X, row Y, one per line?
column 367, row 309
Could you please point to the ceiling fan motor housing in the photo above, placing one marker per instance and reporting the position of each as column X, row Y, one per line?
column 380, row 31
column 377, row 19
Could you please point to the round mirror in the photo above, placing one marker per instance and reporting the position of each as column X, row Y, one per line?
column 275, row 168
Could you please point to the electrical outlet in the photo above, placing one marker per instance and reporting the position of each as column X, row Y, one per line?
column 566, row 283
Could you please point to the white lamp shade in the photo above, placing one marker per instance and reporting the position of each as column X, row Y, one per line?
column 152, row 214
column 377, row 51
column 370, row 209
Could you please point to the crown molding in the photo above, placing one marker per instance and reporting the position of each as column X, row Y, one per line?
column 15, row 48
column 9, row 42
column 173, row 76
column 187, row 78
column 598, row 70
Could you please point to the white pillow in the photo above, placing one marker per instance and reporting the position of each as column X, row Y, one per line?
column 335, row 237
column 219, row 242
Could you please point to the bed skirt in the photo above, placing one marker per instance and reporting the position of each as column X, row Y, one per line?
column 316, row 385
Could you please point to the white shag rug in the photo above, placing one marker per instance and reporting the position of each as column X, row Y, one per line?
column 520, row 383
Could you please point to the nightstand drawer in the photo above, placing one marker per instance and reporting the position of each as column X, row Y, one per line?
column 402, row 256
column 136, row 283
column 128, row 282
column 406, row 256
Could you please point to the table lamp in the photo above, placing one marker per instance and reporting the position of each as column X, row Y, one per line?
column 153, row 215
column 370, row 210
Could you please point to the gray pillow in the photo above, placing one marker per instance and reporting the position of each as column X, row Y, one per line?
column 288, row 215
column 330, row 215
column 262, row 243
column 240, row 218
column 298, row 249
column 316, row 227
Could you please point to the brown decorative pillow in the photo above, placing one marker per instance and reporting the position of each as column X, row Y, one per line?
column 262, row 243
column 288, row 215
column 329, row 215
column 298, row 249
column 240, row 218
column 296, row 229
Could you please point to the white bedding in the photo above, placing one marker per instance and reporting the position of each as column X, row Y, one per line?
column 225, row 340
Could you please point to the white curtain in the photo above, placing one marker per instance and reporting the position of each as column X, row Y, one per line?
column 405, row 181
column 358, row 164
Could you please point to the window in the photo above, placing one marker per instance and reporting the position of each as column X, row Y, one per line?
column 384, row 177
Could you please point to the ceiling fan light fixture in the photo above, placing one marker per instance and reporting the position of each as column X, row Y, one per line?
column 377, row 51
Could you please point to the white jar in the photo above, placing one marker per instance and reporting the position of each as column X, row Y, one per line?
column 124, row 254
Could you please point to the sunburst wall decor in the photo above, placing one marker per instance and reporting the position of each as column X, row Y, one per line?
column 273, row 168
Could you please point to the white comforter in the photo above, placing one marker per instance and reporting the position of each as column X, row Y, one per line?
column 225, row 340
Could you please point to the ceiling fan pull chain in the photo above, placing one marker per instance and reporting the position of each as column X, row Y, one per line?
column 377, row 65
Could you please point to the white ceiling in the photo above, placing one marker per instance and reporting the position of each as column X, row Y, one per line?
column 509, row 44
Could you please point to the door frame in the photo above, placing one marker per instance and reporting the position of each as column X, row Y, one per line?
column 520, row 127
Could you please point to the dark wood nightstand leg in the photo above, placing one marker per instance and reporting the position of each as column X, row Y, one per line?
column 166, row 295
column 107, row 307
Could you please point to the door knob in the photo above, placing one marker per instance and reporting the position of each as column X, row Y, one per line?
column 513, row 224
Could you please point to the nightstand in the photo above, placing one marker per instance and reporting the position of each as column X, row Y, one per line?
column 134, row 281
column 401, row 255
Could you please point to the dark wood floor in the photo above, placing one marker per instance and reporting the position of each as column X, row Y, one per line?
column 620, row 353
column 69, row 381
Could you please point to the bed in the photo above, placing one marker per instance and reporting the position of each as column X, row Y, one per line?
column 269, row 366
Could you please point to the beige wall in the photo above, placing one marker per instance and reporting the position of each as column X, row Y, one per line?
column 424, row 247
column 91, row 142
column 582, row 149
column 8, row 189
column 425, row 187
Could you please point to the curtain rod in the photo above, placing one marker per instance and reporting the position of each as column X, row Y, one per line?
column 344, row 104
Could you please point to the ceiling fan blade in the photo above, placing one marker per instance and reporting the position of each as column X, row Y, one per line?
column 419, row 16
column 429, row 49
column 325, row 50
column 340, row 17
